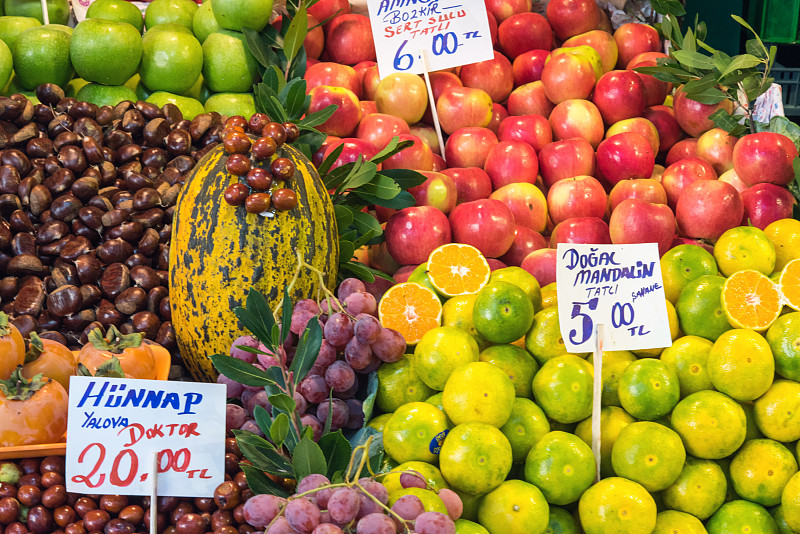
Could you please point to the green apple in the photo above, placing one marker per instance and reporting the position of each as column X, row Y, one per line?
column 119, row 10
column 230, row 104
column 57, row 10
column 6, row 64
column 41, row 55
column 105, row 51
column 11, row 27
column 171, row 61
column 584, row 51
column 228, row 67
column 170, row 27
column 238, row 14
column 188, row 106
column 105, row 95
column 199, row 91
column 73, row 86
column 204, row 23
column 161, row 11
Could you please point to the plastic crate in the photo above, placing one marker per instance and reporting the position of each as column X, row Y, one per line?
column 789, row 80
column 779, row 21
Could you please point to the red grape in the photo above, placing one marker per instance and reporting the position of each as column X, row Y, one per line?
column 340, row 376
column 434, row 523
column 343, row 505
column 349, row 286
column 390, row 346
column 302, row 515
column 453, row 503
column 260, row 509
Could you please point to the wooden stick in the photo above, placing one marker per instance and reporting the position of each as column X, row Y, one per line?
column 154, row 495
column 597, row 396
column 433, row 103
column 45, row 14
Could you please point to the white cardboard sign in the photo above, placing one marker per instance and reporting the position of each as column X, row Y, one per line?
column 449, row 32
column 116, row 425
column 618, row 286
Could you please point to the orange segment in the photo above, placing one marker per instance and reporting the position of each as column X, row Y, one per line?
column 751, row 300
column 789, row 282
column 411, row 309
column 457, row 269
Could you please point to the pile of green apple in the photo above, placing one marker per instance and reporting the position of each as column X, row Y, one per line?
column 176, row 51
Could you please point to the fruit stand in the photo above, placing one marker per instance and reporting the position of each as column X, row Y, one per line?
column 344, row 229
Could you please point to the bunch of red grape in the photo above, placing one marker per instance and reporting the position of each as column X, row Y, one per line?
column 319, row 507
column 354, row 344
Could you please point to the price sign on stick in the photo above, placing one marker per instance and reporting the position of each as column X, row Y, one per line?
column 618, row 286
column 451, row 32
column 116, row 425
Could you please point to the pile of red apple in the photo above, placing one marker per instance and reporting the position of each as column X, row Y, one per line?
column 556, row 139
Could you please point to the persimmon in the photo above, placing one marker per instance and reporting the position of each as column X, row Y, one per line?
column 135, row 356
column 49, row 358
column 31, row 411
column 12, row 347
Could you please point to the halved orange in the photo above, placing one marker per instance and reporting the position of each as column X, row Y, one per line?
column 411, row 309
column 751, row 300
column 458, row 269
column 789, row 282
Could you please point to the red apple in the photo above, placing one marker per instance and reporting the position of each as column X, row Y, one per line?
column 633, row 39
column 403, row 273
column 379, row 258
column 636, row 221
column 428, row 136
column 528, row 66
column 413, row 233
column 678, row 176
column 526, row 202
column 367, row 108
column 460, row 107
column 418, row 156
column 542, row 265
column 600, row 40
column 693, row 116
column 495, row 264
column 764, row 157
column 499, row 113
column 344, row 120
column 565, row 159
column 524, row 32
column 529, row 99
column 655, row 89
column 439, row 82
column 525, row 242
column 685, row 148
column 502, row 9
column 348, row 39
column 579, row 196
column 533, row 129
column 493, row 26
column 697, row 242
column 486, row 224
column 732, row 178
column 472, row 183
column 767, row 203
column 581, row 230
column 511, row 162
column 353, row 148
column 707, row 208
column 379, row 128
column 439, row 164
column 619, row 95
column 644, row 189
column 577, row 118
column 495, row 76
column 716, row 147
column 333, row 75
column 567, row 76
column 315, row 38
column 468, row 147
column 625, row 156
column 572, row 17
column 370, row 78
column 639, row 125
column 438, row 190
column 319, row 155
column 403, row 95
column 669, row 131
column 327, row 9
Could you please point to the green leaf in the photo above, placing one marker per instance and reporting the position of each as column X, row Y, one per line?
column 274, row 80
column 666, row 74
column 262, row 453
column 331, row 158
column 346, row 250
column 394, row 146
column 317, row 118
column 334, row 178
column 296, row 33
column 344, row 216
column 784, row 126
column 362, row 174
column 744, row 61
column 709, row 96
column 402, row 200
column 375, row 449
column 699, row 85
column 257, row 317
column 755, row 48
column 689, row 42
column 280, row 112
column 297, row 69
column 701, row 32
column 279, row 429
column 293, row 96
column 364, row 222
column 273, row 37
column 239, row 371
column 307, row 351
column 726, row 121
column 260, row 483
column 773, row 51
column 358, row 270
column 668, row 7
column 286, row 314
column 263, row 419
column 274, row 372
column 365, row 238
column 744, row 23
column 693, row 60
column 308, row 459
column 258, row 48
column 382, row 187
column 372, row 394
column 283, row 402
column 405, row 178
column 337, row 451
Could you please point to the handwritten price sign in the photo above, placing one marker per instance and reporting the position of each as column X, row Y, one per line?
column 618, row 286
column 449, row 32
column 116, row 425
